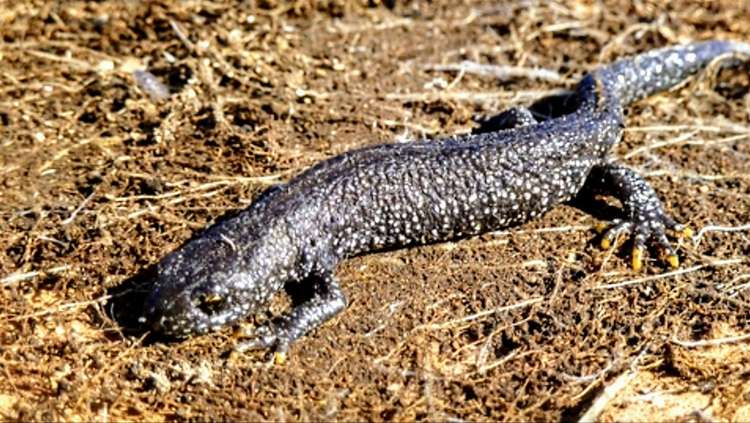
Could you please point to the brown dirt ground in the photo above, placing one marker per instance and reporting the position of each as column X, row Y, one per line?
column 99, row 182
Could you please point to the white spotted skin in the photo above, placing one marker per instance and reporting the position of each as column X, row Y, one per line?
column 396, row 195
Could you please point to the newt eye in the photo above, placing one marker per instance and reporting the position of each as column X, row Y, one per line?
column 209, row 303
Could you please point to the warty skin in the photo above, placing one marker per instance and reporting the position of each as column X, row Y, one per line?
column 398, row 195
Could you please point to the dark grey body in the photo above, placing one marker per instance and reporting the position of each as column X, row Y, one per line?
column 397, row 195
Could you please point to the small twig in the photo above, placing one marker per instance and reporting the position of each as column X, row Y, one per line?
column 475, row 316
column 52, row 240
column 271, row 179
column 589, row 378
column 19, row 277
column 711, row 342
column 609, row 393
column 555, row 229
column 63, row 307
column 734, row 290
column 538, row 263
column 80, row 64
column 684, row 140
column 220, row 184
column 78, row 209
column 717, row 228
column 500, row 72
column 679, row 140
column 637, row 29
column 413, row 126
column 483, row 369
column 678, row 272
column 181, row 35
column 478, row 50
column 693, row 175
column 478, row 97
column 456, row 80
column 728, row 127
column 342, row 28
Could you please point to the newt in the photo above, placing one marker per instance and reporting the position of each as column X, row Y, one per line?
column 404, row 194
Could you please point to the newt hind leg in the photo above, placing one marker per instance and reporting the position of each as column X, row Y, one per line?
column 646, row 221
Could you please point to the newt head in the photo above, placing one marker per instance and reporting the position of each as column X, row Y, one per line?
column 208, row 283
